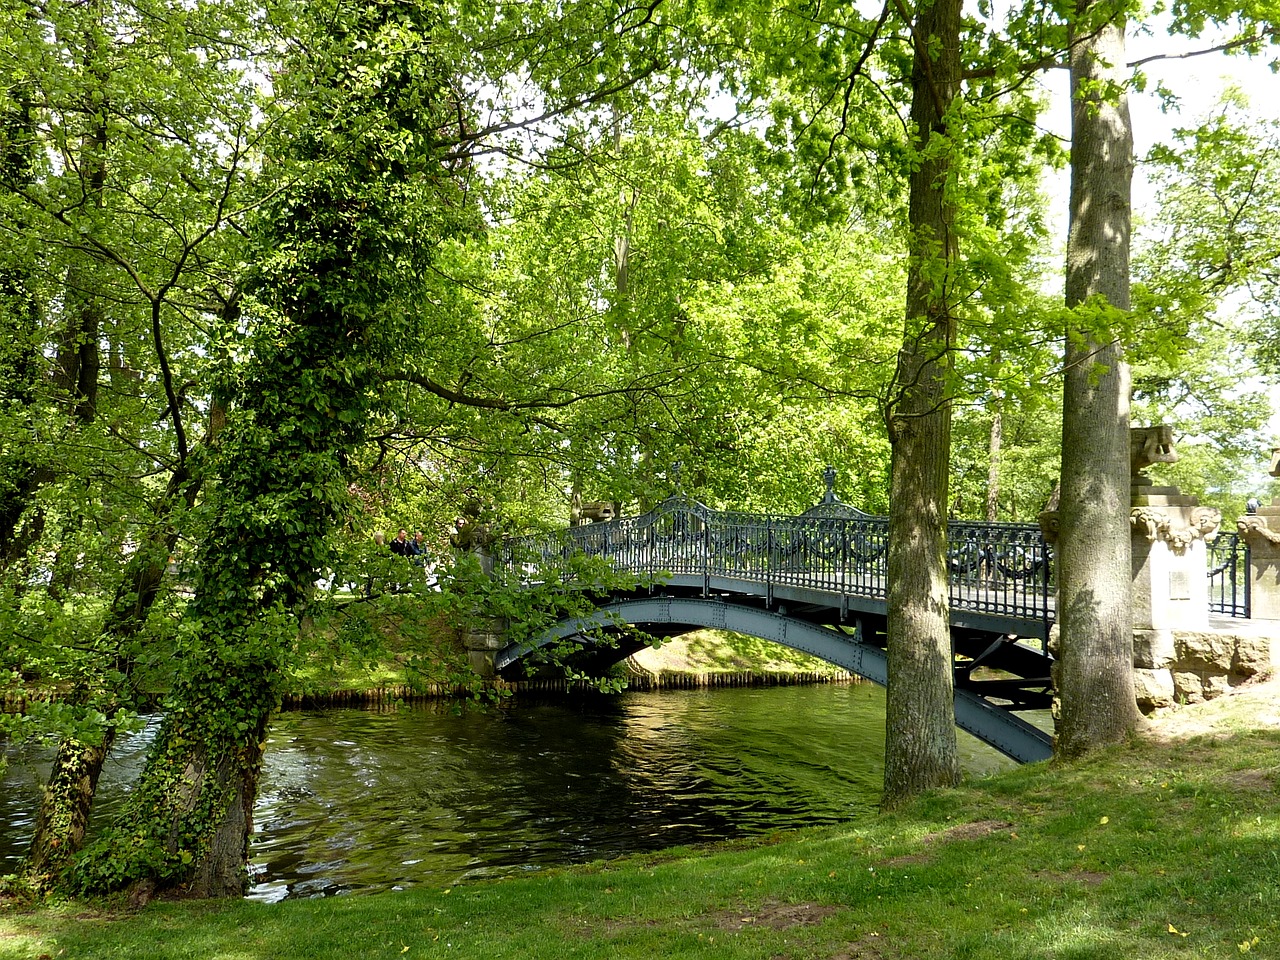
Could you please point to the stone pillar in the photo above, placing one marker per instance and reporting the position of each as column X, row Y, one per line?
column 1261, row 531
column 1169, row 529
column 483, row 640
column 486, row 635
column 1170, row 563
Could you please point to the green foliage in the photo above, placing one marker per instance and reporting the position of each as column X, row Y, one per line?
column 1206, row 303
column 418, row 257
column 357, row 214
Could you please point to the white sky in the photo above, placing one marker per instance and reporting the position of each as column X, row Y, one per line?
column 1198, row 82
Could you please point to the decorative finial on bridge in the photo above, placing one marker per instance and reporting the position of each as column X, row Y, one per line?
column 829, row 477
column 675, row 476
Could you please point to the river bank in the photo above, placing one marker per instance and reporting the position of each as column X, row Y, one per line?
column 1167, row 846
column 703, row 659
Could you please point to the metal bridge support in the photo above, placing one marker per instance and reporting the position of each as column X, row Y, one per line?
column 1011, row 735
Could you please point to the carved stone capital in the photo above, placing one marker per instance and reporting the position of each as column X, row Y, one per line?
column 1255, row 531
column 1152, row 524
column 1208, row 520
column 1157, row 525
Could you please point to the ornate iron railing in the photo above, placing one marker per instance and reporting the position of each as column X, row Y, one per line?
column 1229, row 575
column 1002, row 569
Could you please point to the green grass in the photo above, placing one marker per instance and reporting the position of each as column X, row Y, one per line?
column 1155, row 849
column 718, row 651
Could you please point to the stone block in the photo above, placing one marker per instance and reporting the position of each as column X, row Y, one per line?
column 481, row 662
column 1252, row 656
column 1215, row 684
column 1153, row 689
column 1153, row 649
column 483, row 640
column 1204, row 651
column 1188, row 687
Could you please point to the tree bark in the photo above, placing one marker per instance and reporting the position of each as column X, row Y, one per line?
column 63, row 817
column 76, row 370
column 67, row 800
column 995, row 448
column 20, row 361
column 920, row 741
column 77, row 361
column 1095, row 670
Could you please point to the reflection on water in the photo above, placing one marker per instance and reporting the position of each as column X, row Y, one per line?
column 358, row 801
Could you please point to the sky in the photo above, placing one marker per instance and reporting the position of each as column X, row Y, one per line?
column 1198, row 82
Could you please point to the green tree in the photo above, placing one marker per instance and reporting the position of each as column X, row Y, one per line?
column 1206, row 299
column 131, row 207
column 1094, row 577
column 364, row 198
column 920, row 738
column 1095, row 681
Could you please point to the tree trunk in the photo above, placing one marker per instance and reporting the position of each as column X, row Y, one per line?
column 67, row 799
column 20, row 361
column 920, row 742
column 76, row 371
column 76, row 363
column 995, row 446
column 200, row 821
column 1095, row 670
column 63, row 816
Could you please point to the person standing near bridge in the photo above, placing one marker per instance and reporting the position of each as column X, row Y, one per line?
column 401, row 545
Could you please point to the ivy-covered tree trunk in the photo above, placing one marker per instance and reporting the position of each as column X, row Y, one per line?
column 1095, row 679
column 920, row 741
column 67, row 800
column 362, row 202
column 62, row 819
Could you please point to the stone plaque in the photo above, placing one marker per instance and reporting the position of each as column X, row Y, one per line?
column 1179, row 585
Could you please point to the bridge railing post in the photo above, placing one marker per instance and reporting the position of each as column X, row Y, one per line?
column 706, row 558
column 769, row 561
column 651, row 548
column 1046, row 577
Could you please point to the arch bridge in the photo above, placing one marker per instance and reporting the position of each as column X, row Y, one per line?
column 817, row 583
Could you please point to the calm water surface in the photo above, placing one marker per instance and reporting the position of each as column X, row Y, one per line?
column 359, row 801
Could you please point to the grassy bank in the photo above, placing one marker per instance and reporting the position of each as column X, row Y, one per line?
column 712, row 652
column 1166, row 847
column 426, row 659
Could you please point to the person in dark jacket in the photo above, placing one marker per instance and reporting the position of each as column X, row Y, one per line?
column 401, row 546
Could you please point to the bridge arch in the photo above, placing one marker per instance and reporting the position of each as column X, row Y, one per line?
column 989, row 722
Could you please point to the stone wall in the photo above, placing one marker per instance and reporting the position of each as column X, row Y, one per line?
column 1172, row 667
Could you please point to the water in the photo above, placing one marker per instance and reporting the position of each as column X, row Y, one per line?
column 360, row 801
